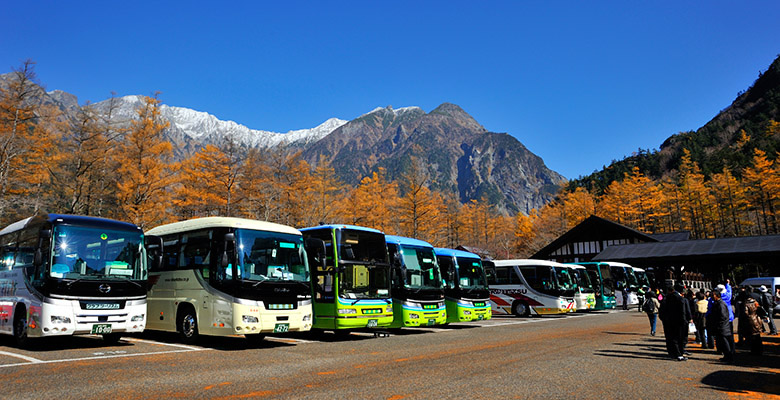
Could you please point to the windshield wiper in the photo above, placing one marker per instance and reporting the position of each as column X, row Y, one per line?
column 124, row 278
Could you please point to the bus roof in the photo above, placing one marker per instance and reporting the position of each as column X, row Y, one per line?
column 406, row 241
column 616, row 264
column 221, row 222
column 574, row 266
column 454, row 253
column 503, row 263
column 71, row 220
column 353, row 227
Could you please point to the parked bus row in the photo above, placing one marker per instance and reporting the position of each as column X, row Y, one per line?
column 71, row 275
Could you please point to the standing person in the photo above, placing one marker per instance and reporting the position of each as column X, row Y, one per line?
column 768, row 303
column 624, row 292
column 675, row 319
column 726, row 295
column 698, row 318
column 718, row 319
column 640, row 294
column 650, row 307
column 711, row 330
column 752, row 312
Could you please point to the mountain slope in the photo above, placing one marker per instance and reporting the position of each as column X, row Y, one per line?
column 716, row 144
column 459, row 154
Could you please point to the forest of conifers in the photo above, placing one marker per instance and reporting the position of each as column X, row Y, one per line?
column 93, row 165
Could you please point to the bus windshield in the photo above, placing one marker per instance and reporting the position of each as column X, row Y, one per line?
column 271, row 256
column 366, row 272
column 470, row 274
column 564, row 279
column 582, row 278
column 632, row 281
column 92, row 253
column 641, row 277
column 421, row 269
column 553, row 281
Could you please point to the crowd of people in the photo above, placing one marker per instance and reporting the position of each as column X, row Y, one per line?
column 709, row 315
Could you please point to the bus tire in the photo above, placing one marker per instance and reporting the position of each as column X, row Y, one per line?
column 521, row 309
column 20, row 326
column 112, row 338
column 187, row 324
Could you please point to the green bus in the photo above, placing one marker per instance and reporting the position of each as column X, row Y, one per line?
column 418, row 294
column 466, row 291
column 350, row 277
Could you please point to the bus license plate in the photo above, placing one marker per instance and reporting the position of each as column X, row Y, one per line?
column 431, row 322
column 480, row 317
column 373, row 323
column 101, row 329
column 281, row 328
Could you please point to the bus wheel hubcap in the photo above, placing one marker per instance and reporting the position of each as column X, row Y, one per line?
column 188, row 325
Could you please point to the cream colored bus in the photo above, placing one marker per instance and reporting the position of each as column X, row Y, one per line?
column 228, row 276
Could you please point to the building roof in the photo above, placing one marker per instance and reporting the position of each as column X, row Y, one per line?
column 592, row 223
column 695, row 251
column 671, row 236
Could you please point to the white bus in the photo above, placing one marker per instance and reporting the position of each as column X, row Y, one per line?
column 530, row 287
column 229, row 276
column 623, row 276
column 72, row 275
column 584, row 291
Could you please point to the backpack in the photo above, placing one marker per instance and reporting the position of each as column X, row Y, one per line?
column 648, row 306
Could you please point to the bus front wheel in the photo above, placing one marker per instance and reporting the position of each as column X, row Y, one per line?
column 20, row 327
column 521, row 309
column 187, row 323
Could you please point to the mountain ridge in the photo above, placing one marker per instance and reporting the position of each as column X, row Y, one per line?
column 460, row 155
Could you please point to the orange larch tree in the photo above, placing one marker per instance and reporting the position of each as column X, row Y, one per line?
column 145, row 168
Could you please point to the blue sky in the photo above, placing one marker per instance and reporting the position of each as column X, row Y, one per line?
column 579, row 83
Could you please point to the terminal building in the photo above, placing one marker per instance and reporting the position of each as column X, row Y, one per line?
column 668, row 256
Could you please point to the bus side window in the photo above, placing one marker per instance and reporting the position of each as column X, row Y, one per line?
column 196, row 252
column 529, row 273
column 447, row 272
column 323, row 278
column 171, row 249
column 514, row 279
column 502, row 275
column 490, row 274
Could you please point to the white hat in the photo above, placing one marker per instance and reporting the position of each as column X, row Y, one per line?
column 721, row 288
column 763, row 289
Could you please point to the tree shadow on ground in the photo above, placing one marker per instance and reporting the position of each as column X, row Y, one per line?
column 744, row 382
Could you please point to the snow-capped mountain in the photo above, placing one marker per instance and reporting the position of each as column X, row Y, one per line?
column 201, row 127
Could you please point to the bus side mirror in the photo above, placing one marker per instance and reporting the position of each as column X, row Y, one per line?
column 230, row 244
column 38, row 257
column 316, row 248
column 397, row 259
column 154, row 250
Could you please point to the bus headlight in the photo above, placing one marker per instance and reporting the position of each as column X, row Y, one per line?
column 60, row 320
column 414, row 316
column 249, row 319
column 466, row 312
column 307, row 317
column 138, row 317
column 347, row 311
column 389, row 309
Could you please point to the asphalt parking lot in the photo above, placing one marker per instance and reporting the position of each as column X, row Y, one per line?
column 596, row 355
